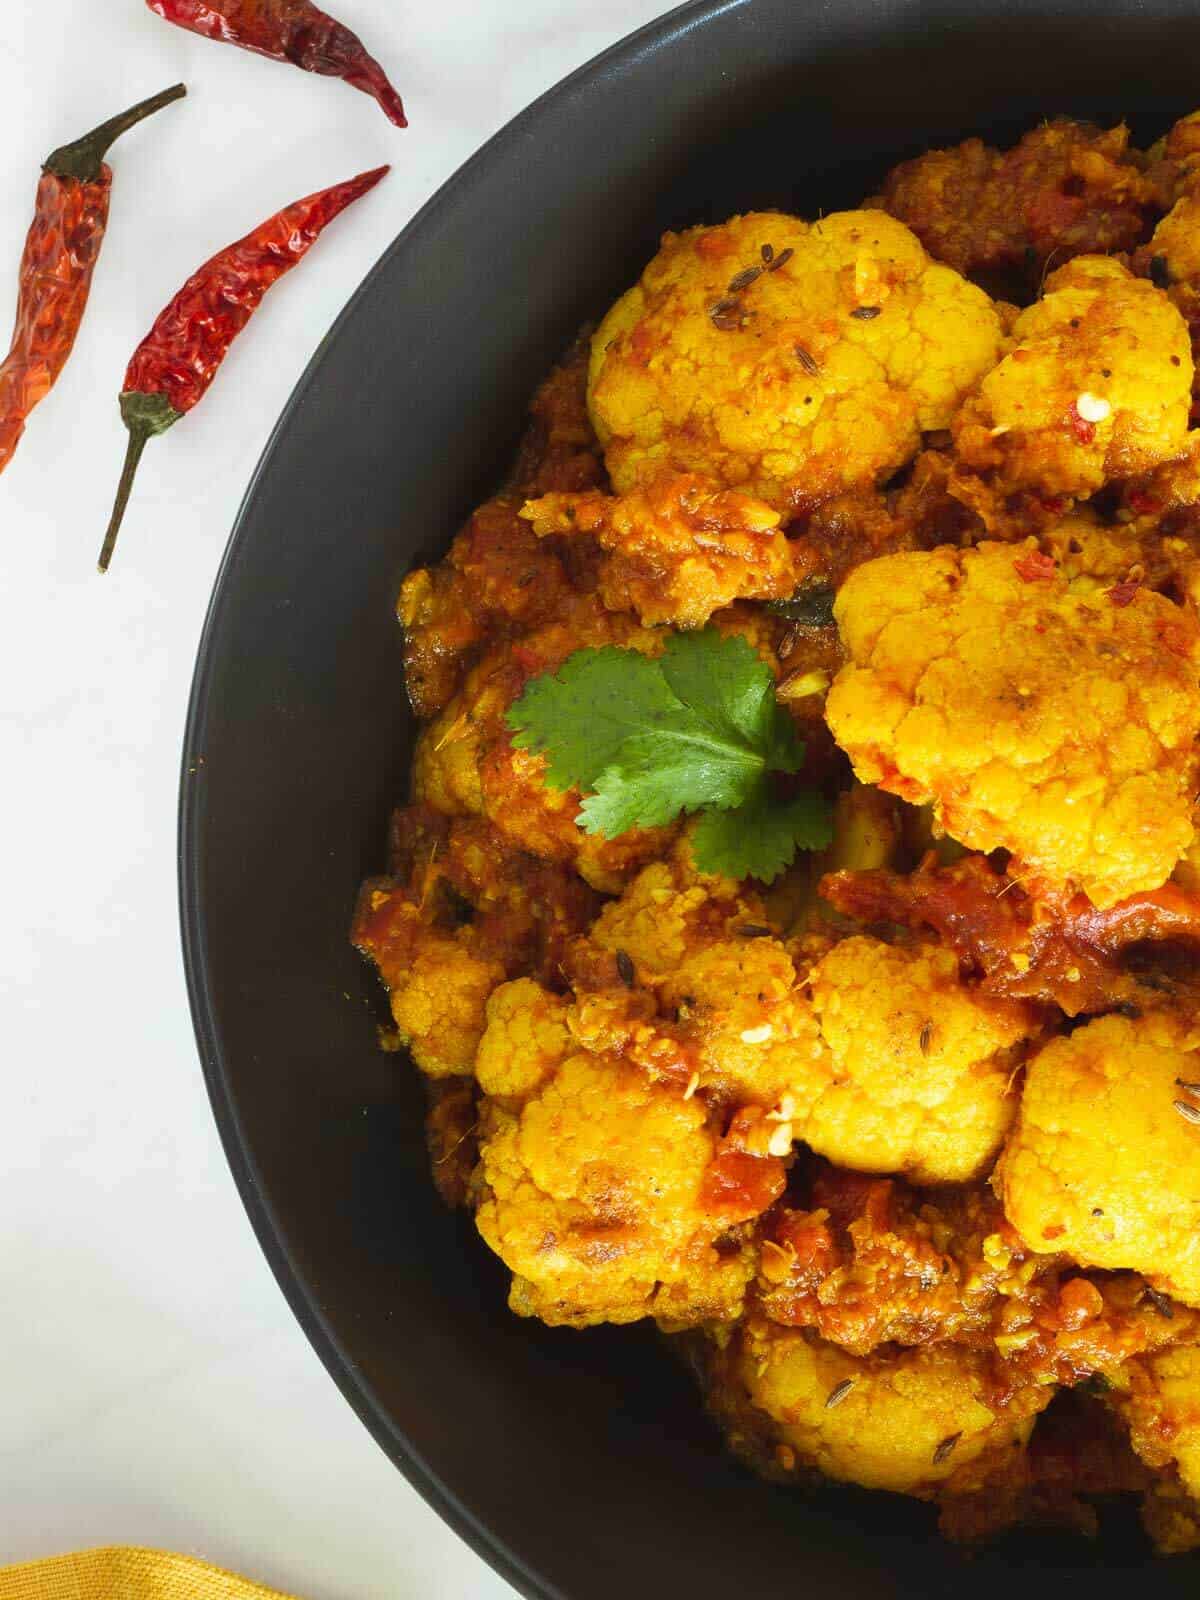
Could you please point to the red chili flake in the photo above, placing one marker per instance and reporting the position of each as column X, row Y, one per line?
column 1083, row 430
column 1034, row 567
column 1122, row 594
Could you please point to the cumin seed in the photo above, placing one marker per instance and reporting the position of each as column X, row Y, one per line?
column 1187, row 1112
column 926, row 1038
column 781, row 259
column 808, row 361
column 754, row 930
column 625, row 968
column 866, row 313
column 744, row 279
column 946, row 1449
column 838, row 1394
column 767, row 252
column 1160, row 1303
column 1189, row 1088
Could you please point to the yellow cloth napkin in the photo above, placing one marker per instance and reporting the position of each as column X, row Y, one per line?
column 122, row 1573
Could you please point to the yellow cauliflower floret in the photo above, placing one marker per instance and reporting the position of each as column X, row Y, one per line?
column 591, row 1195
column 448, row 753
column 1058, row 725
column 1097, row 386
column 465, row 763
column 1103, row 1164
column 919, row 1422
column 1159, row 1398
column 525, row 1040
column 744, row 1027
column 792, row 378
column 437, row 987
column 678, row 549
column 1177, row 237
column 924, row 1067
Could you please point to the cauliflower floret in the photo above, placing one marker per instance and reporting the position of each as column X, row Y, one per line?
column 924, row 1066
column 922, row 1422
column 592, row 1193
column 789, row 359
column 1175, row 241
column 465, row 763
column 885, row 1063
column 437, row 983
column 1098, row 386
column 1104, row 1161
column 1059, row 726
column 1159, row 1399
column 525, row 1040
column 1064, row 189
column 677, row 550
column 727, row 1004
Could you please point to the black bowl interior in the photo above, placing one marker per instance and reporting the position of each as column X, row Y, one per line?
column 579, row 1464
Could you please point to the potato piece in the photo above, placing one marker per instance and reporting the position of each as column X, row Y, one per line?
column 1102, row 1163
column 794, row 377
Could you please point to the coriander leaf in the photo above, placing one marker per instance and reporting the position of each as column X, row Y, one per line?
column 760, row 838
column 680, row 766
column 695, row 730
column 725, row 680
column 581, row 715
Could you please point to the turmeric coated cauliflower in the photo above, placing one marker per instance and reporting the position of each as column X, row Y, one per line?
column 1098, row 386
column 676, row 550
column 466, row 764
column 1104, row 1161
column 924, row 1067
column 1058, row 726
column 713, row 996
column 921, row 1422
column 788, row 359
column 591, row 1187
column 1158, row 1397
column 1065, row 189
column 877, row 1057
column 461, row 913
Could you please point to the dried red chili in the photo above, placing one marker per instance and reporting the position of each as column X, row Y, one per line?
column 61, row 251
column 178, row 359
column 288, row 30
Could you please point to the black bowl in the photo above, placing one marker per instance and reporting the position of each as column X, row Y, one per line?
column 578, row 1464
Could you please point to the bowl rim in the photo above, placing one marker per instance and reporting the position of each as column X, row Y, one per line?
column 441, row 1496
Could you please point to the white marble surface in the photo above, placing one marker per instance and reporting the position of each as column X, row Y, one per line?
column 155, row 1388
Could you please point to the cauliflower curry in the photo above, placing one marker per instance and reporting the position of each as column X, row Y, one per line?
column 796, row 916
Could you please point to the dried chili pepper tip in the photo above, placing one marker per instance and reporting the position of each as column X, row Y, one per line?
column 295, row 31
column 178, row 359
column 84, row 158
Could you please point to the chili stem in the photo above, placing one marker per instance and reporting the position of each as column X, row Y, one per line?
column 138, row 440
column 84, row 158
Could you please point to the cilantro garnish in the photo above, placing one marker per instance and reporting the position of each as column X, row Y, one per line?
column 697, row 729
